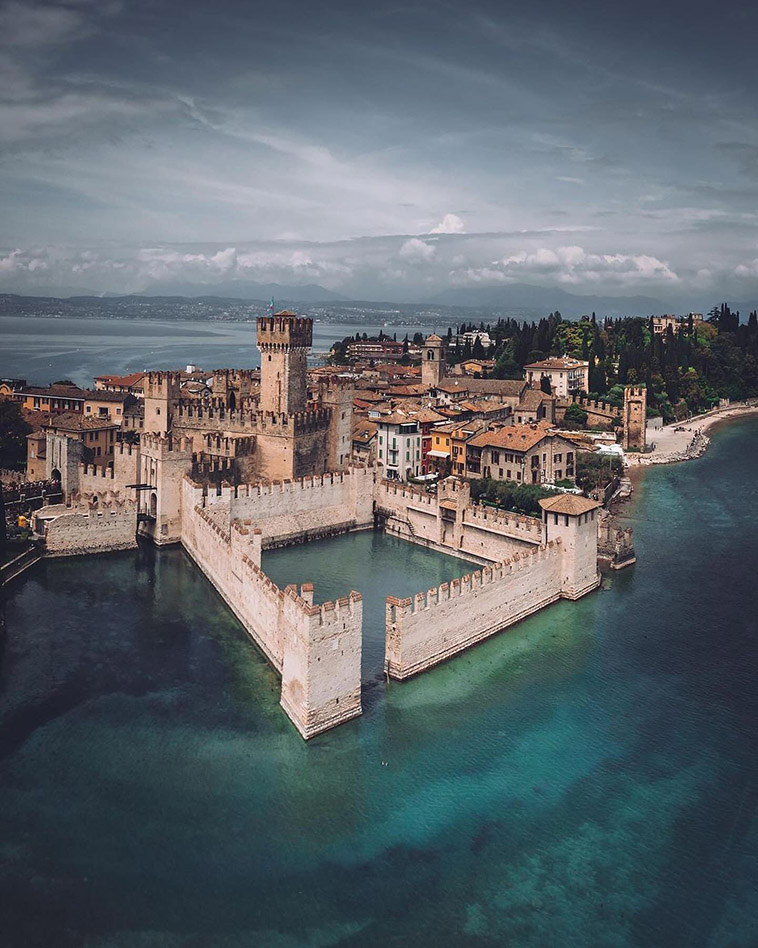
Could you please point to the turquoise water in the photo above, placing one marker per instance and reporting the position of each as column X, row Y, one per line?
column 587, row 778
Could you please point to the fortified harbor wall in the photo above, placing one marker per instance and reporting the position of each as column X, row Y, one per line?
column 295, row 511
column 449, row 523
column 316, row 648
column 433, row 626
column 88, row 527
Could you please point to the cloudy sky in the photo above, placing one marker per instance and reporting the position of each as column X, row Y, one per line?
column 384, row 152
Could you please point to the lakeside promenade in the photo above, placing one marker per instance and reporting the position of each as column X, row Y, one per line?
column 691, row 441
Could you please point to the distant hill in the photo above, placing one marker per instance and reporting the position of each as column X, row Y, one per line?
column 518, row 297
column 245, row 290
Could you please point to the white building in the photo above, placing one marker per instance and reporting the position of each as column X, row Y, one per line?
column 399, row 446
column 567, row 376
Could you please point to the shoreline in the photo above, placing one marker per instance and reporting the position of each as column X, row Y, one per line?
column 692, row 442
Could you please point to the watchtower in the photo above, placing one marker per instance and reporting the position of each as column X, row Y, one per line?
column 162, row 392
column 433, row 361
column 635, row 417
column 284, row 340
column 572, row 520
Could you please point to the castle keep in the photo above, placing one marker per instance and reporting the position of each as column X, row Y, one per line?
column 234, row 468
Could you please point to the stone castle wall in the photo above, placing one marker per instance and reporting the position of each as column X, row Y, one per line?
column 316, row 648
column 290, row 511
column 83, row 530
column 433, row 626
column 123, row 471
column 482, row 534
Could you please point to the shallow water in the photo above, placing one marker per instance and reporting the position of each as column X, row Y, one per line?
column 588, row 777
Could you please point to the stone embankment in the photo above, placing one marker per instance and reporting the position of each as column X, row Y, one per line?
column 695, row 449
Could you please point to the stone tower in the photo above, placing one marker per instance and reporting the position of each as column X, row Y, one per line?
column 433, row 361
column 572, row 520
column 162, row 390
column 337, row 395
column 635, row 417
column 284, row 340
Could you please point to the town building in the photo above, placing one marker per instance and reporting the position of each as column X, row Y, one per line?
column 132, row 384
column 567, row 376
column 526, row 454
column 399, row 446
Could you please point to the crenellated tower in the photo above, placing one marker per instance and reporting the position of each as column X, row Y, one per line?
column 634, row 418
column 284, row 340
column 162, row 393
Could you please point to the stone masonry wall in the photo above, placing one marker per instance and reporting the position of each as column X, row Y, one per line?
column 317, row 649
column 480, row 533
column 433, row 626
column 290, row 511
column 78, row 532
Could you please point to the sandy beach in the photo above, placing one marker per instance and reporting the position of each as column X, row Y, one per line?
column 691, row 441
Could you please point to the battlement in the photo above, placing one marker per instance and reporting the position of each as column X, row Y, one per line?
column 189, row 414
column 470, row 584
column 97, row 470
column 123, row 448
column 482, row 515
column 237, row 375
column 161, row 383
column 409, row 491
column 300, row 422
column 228, row 446
column 284, row 330
column 593, row 405
column 278, row 489
column 635, row 391
column 165, row 445
column 331, row 613
column 99, row 501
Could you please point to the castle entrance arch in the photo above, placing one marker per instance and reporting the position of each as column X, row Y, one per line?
column 153, row 511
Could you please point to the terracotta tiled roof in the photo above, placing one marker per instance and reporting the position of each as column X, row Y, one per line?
column 533, row 398
column 55, row 391
column 571, row 504
column 125, row 380
column 100, row 396
column 73, row 421
column 513, row 437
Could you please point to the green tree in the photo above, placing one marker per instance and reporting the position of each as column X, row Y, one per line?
column 13, row 432
column 575, row 417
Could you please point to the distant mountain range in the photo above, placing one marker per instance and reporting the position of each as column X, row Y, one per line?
column 521, row 297
column 242, row 300
column 245, row 290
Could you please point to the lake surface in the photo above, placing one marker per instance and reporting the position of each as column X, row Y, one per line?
column 586, row 778
column 46, row 350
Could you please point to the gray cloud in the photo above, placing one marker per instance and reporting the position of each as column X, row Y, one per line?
column 378, row 151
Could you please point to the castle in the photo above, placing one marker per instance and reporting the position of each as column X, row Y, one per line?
column 232, row 470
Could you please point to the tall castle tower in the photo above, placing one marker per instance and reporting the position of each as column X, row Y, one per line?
column 635, row 417
column 162, row 391
column 284, row 340
column 433, row 361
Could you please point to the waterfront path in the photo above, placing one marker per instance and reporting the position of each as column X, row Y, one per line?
column 691, row 441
